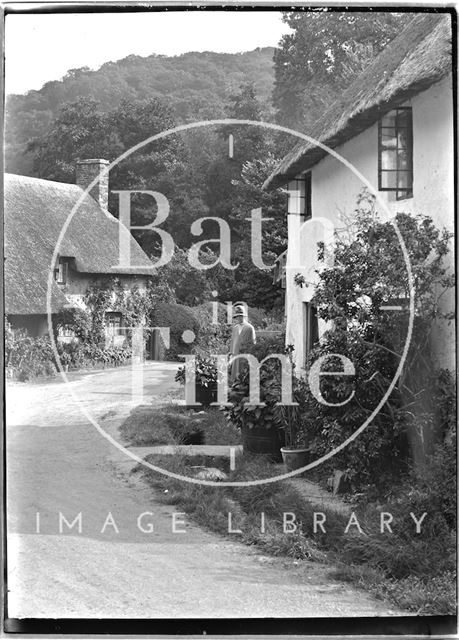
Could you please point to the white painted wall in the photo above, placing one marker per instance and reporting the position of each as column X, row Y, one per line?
column 335, row 189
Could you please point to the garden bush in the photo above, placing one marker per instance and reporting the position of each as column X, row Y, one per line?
column 368, row 274
column 30, row 357
column 87, row 355
column 268, row 345
column 27, row 357
column 212, row 338
column 257, row 317
column 178, row 318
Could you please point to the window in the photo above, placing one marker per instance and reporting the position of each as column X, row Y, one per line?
column 279, row 271
column 300, row 198
column 395, row 153
column 113, row 323
column 311, row 329
column 61, row 271
column 65, row 331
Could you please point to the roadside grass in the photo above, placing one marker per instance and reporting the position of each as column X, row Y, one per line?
column 424, row 596
column 209, row 506
column 415, row 572
column 170, row 423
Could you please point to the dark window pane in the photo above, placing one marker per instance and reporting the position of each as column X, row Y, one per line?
column 402, row 139
column 403, row 160
column 403, row 118
column 404, row 180
column 389, row 119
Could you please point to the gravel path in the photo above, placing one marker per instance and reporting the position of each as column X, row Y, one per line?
column 59, row 464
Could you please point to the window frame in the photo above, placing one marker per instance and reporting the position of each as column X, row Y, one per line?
column 401, row 193
column 303, row 186
column 62, row 271
column 113, row 328
column 66, row 330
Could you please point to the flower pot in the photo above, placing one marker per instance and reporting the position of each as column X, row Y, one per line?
column 263, row 441
column 295, row 458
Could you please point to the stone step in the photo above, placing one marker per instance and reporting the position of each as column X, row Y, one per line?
column 211, row 450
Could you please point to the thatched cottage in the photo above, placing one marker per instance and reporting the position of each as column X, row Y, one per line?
column 394, row 123
column 35, row 213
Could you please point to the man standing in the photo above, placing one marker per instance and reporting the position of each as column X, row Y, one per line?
column 242, row 340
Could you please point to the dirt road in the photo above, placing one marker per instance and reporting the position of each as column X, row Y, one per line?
column 105, row 565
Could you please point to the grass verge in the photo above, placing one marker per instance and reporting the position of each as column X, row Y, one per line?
column 149, row 425
column 414, row 572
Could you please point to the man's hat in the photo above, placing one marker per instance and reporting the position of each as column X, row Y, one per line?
column 239, row 310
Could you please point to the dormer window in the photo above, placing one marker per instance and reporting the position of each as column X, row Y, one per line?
column 61, row 271
column 395, row 153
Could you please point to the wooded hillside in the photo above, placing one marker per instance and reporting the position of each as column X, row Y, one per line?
column 196, row 86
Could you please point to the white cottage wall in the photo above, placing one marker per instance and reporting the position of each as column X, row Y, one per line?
column 334, row 192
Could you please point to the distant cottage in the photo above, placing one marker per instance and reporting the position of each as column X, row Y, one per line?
column 394, row 123
column 35, row 213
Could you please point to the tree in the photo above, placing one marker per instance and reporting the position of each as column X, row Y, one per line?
column 195, row 87
column 369, row 274
column 199, row 180
column 251, row 282
column 82, row 130
column 79, row 131
column 323, row 54
column 234, row 188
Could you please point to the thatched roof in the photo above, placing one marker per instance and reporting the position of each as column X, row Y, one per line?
column 35, row 212
column 416, row 59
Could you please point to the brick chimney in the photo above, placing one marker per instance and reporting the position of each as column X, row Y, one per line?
column 86, row 171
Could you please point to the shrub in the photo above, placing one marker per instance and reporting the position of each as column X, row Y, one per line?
column 257, row 317
column 380, row 452
column 369, row 274
column 28, row 357
column 178, row 318
column 268, row 345
column 242, row 414
column 212, row 338
column 87, row 355
column 205, row 370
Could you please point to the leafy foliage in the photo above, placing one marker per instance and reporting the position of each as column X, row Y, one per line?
column 30, row 357
column 242, row 414
column 322, row 55
column 205, row 370
column 79, row 355
column 199, row 181
column 212, row 339
column 178, row 318
column 369, row 273
column 205, row 81
column 27, row 357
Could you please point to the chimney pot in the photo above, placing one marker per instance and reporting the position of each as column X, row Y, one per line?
column 86, row 172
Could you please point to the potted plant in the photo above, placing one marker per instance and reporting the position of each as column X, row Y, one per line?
column 295, row 453
column 205, row 379
column 260, row 425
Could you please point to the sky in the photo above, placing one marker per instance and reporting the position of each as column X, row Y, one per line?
column 39, row 48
